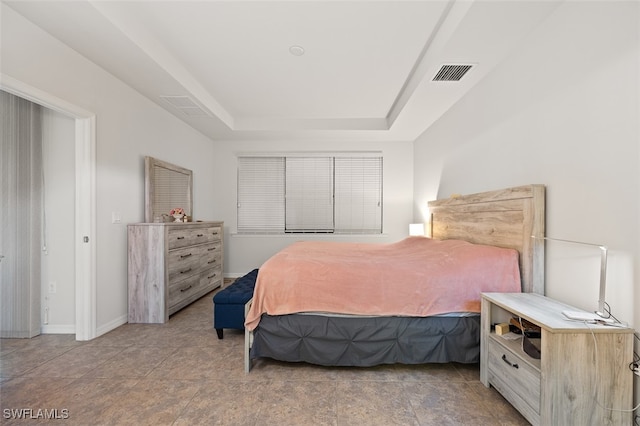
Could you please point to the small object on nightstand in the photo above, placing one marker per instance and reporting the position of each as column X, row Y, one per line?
column 502, row 328
column 520, row 325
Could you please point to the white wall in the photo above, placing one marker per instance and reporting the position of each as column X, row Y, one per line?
column 129, row 127
column 244, row 253
column 562, row 111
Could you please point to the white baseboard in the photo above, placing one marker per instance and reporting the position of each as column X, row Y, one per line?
column 233, row 275
column 58, row 329
column 111, row 325
column 71, row 329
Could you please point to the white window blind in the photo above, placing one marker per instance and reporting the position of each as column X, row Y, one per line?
column 297, row 194
column 309, row 194
column 261, row 189
column 358, row 195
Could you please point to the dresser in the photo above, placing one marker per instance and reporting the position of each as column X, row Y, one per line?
column 170, row 265
column 582, row 376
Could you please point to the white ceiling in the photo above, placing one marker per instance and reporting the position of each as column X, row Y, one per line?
column 366, row 73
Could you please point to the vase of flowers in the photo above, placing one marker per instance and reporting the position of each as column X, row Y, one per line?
column 178, row 214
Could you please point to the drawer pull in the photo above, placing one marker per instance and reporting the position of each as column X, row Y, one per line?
column 504, row 358
column 211, row 261
column 186, row 288
column 200, row 235
column 184, row 256
column 212, row 248
column 211, row 276
column 185, row 271
column 180, row 238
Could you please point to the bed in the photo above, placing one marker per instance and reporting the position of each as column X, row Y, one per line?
column 380, row 313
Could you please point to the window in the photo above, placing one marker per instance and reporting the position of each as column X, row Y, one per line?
column 261, row 194
column 310, row 194
column 358, row 195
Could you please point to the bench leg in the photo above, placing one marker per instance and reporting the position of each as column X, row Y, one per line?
column 248, row 340
column 219, row 331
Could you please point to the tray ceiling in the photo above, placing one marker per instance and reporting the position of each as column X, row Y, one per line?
column 260, row 70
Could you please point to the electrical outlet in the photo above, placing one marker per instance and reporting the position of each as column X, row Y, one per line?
column 53, row 287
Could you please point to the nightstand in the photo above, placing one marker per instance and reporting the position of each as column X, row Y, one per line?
column 582, row 376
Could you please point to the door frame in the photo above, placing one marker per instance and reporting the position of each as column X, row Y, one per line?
column 85, row 200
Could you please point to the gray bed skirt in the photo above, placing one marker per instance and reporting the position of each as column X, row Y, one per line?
column 367, row 341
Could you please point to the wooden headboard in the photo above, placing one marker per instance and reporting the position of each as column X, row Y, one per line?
column 504, row 218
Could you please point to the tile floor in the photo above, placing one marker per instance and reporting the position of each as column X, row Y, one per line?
column 179, row 373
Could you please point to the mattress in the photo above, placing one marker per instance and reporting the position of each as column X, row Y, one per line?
column 415, row 277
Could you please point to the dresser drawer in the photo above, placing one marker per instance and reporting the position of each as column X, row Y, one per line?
column 189, row 261
column 213, row 278
column 215, row 247
column 184, row 235
column 514, row 377
column 195, row 285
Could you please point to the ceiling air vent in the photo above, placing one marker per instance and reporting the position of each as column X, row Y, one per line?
column 451, row 72
column 186, row 105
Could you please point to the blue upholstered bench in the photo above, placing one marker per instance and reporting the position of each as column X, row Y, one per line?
column 229, row 303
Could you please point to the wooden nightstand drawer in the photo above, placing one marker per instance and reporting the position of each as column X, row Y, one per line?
column 516, row 379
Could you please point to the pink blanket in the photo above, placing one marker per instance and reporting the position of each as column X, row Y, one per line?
column 416, row 276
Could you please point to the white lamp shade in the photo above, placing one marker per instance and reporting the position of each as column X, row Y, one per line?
column 416, row 229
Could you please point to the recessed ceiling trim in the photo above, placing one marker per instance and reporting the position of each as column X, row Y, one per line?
column 115, row 13
column 311, row 124
column 472, row 30
column 180, row 101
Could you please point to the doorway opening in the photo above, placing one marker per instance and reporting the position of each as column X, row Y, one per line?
column 85, row 202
